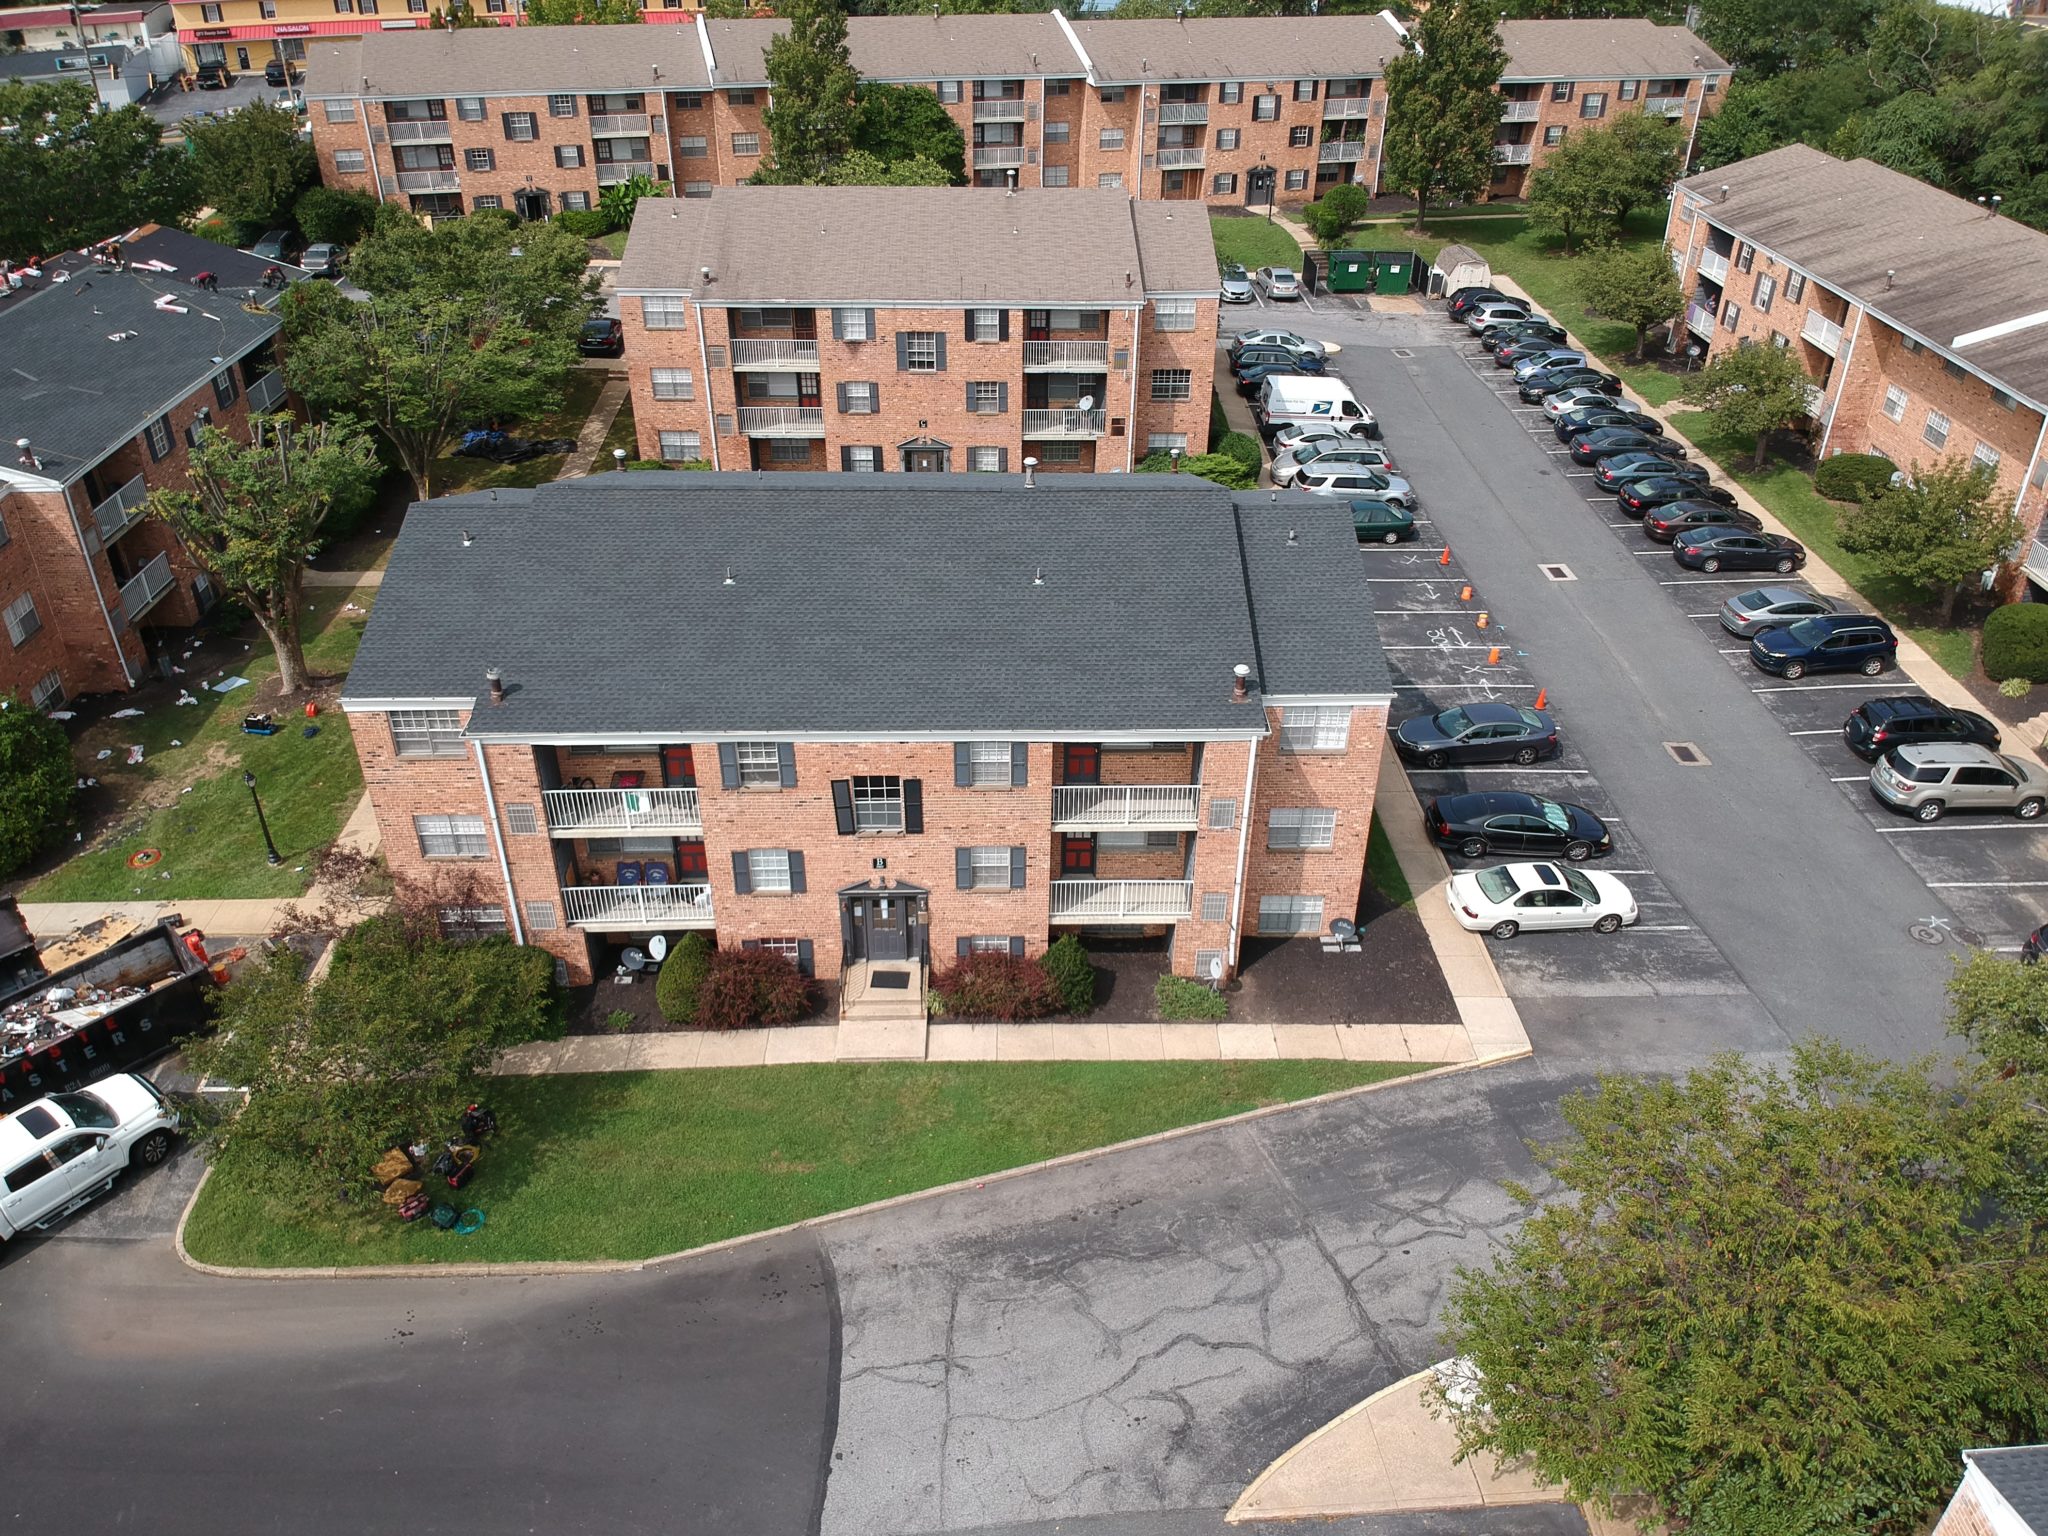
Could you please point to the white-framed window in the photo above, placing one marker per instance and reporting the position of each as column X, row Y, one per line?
column 1766, row 290
column 1114, row 93
column 697, row 189
column 1110, row 181
column 1561, row 90
column 1230, row 92
column 451, row 837
column 160, row 437
column 1315, row 728
column 1780, row 340
column 692, row 146
column 790, row 949
column 1304, row 90
column 1631, row 89
column 540, row 916
column 681, row 447
column 1124, row 840
column 877, row 802
column 860, row 397
column 1909, row 344
column 1226, row 138
column 1215, row 906
column 989, row 867
column 1265, row 109
column 863, row 460
column 673, row 384
column 521, row 128
column 1173, row 314
column 985, row 397
column 768, row 869
column 1110, row 138
column 48, row 691
column 348, row 162
column 689, row 101
column 22, row 618
column 1553, row 135
column 1895, row 403
column 1301, row 827
column 921, row 351
column 426, row 732
column 470, row 109
column 1935, row 430
column 1731, row 312
column 984, row 461
column 1057, row 453
column 853, row 325
column 1985, row 455
column 664, row 312
column 1300, row 136
column 949, row 90
column 1172, row 383
column 789, row 450
column 1058, row 176
column 760, row 764
column 1166, row 442
column 1223, row 183
column 984, row 325
column 2004, row 401
column 988, row 944
column 561, row 106
column 479, row 160
column 1593, row 104
column 576, row 202
column 472, row 922
column 338, row 111
column 1059, row 133
column 746, row 143
column 1290, row 914
column 569, row 157
column 740, row 98
column 988, row 763
column 1297, row 181
column 1795, row 287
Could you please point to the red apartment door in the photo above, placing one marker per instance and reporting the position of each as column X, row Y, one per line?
column 1037, row 324
column 691, row 865
column 809, row 390
column 1077, row 857
column 678, row 768
column 1083, row 764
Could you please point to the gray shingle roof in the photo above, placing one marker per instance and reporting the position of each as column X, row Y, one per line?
column 1275, row 48
column 921, row 47
column 901, row 604
column 74, row 391
column 498, row 61
column 1893, row 243
column 913, row 245
column 2020, row 1474
column 1615, row 49
column 1176, row 251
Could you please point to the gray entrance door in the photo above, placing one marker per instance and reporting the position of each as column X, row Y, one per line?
column 924, row 461
column 883, row 926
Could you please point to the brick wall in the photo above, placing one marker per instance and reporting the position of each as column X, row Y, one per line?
column 1193, row 350
column 1569, row 116
column 42, row 558
column 350, row 133
column 1341, row 781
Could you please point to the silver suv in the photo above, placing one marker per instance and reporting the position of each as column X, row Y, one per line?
column 1934, row 779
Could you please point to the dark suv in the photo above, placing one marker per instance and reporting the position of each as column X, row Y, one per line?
column 1835, row 642
column 1878, row 725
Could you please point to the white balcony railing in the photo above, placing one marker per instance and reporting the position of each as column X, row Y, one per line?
column 638, row 907
column 1514, row 154
column 1067, row 356
column 1816, row 402
column 267, row 393
column 782, row 420
column 619, row 125
column 142, row 591
column 1179, row 157
column 610, row 173
column 1699, row 318
column 999, row 111
column 1520, row 111
column 1162, row 806
column 429, row 181
column 768, row 353
column 1171, row 112
column 997, row 157
column 579, row 812
column 1714, row 265
column 1822, row 332
column 2037, row 563
column 1122, row 901
column 1063, row 423
column 1340, row 152
column 120, row 511
column 1664, row 106
column 1346, row 107
column 420, row 133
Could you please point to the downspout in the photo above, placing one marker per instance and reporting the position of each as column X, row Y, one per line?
column 1244, row 832
column 1131, row 434
column 710, row 405
column 1841, row 389
column 498, row 842
column 93, row 579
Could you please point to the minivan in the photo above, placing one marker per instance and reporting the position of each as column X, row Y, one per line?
column 1932, row 780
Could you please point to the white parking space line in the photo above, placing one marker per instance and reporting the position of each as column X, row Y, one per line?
column 1810, row 687
column 1703, row 615
column 1637, row 523
column 1742, row 650
column 1651, row 554
column 1582, row 474
column 1425, row 610
column 1982, row 826
column 1848, row 778
column 1658, row 928
column 1573, row 773
column 1972, row 885
column 1828, row 732
column 1712, row 581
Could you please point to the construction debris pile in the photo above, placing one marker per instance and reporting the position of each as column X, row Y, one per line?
column 28, row 1021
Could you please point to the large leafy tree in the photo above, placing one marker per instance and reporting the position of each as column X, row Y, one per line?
column 1773, row 1301
column 907, row 122
column 1441, row 109
column 1646, row 155
column 1940, row 528
column 38, row 785
column 472, row 321
column 2001, row 1007
column 71, row 175
column 1752, row 391
column 1337, row 212
column 1633, row 284
column 858, row 168
column 1571, row 195
column 1771, row 36
column 252, row 164
column 810, row 114
column 256, row 512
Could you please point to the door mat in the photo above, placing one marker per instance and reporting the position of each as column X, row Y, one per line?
column 897, row 979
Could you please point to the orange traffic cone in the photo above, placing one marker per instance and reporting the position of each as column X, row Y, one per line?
column 1493, row 657
column 1445, row 557
column 1465, row 595
column 1542, row 695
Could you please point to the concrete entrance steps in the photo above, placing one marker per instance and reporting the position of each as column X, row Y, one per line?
column 878, row 1022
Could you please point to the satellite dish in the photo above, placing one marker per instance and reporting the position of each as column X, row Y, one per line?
column 632, row 960
column 1215, row 968
column 1087, row 403
column 657, row 947
column 1343, row 928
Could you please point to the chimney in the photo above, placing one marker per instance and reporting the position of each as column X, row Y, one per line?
column 1030, row 464
column 496, row 679
column 1240, row 683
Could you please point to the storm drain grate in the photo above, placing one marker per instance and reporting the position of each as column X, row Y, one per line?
column 1557, row 572
column 1404, row 352
column 1685, row 753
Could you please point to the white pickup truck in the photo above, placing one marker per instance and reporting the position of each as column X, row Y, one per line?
column 59, row 1152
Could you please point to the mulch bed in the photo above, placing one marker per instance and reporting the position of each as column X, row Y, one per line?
column 590, row 1008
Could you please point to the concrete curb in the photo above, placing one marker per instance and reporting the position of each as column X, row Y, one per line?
column 628, row 1266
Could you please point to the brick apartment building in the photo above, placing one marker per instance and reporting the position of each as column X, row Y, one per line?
column 1923, row 318
column 110, row 375
column 926, row 329
column 1237, row 110
column 862, row 723
column 2004, row 1492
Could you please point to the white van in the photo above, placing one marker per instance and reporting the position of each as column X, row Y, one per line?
column 1310, row 401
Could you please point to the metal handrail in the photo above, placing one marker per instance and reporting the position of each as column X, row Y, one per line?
column 576, row 811
column 1125, row 805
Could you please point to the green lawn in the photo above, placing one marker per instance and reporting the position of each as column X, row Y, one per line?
column 1789, row 494
column 614, row 244
column 631, row 1164
column 1384, row 869
column 209, row 839
column 622, row 435
column 1254, row 243
column 579, row 394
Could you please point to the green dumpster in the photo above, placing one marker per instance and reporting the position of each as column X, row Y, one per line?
column 1348, row 272
column 1393, row 271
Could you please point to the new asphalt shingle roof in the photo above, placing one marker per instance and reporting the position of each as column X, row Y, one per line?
column 1619, row 48
column 2020, row 1474
column 943, row 604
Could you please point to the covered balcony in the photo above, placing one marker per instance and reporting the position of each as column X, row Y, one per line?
column 1000, row 110
column 607, row 812
column 146, row 588
column 1714, row 266
column 770, row 354
column 1173, row 113
column 429, row 181
column 266, row 393
column 1822, row 332
column 634, row 908
column 1664, row 106
column 1511, row 154
column 1089, row 902
column 1699, row 318
column 619, row 125
column 120, row 511
column 611, row 173
column 1346, row 108
column 1066, row 356
column 1062, row 424
column 1520, row 111
column 998, row 157
column 1093, row 807
column 1180, row 157
column 782, row 421
column 432, row 132
column 2036, row 565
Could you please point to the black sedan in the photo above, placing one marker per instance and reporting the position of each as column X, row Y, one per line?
column 1249, row 380
column 1618, row 469
column 1477, row 733
column 1640, row 496
column 1548, row 381
column 1480, row 824
column 602, row 336
column 1602, row 441
column 1517, row 333
column 1666, row 523
column 1737, row 549
column 1256, row 357
column 1587, row 418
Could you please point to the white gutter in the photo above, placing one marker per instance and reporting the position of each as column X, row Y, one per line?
column 1074, row 42
column 1842, row 388
column 1244, row 832
column 498, row 842
column 710, row 61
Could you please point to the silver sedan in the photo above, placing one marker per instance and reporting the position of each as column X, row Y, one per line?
column 1770, row 607
column 1278, row 282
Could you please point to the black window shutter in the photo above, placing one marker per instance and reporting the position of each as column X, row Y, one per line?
column 963, row 768
column 842, row 805
column 913, row 805
column 728, row 765
column 874, row 399
column 796, row 871
column 1002, row 397
column 1020, row 764
column 1003, row 326
column 960, row 947
column 845, row 457
column 1002, row 460
column 806, row 958
column 903, row 352
column 969, row 331
column 1017, row 868
column 940, row 338
column 839, row 390
column 785, row 754
column 839, row 329
column 1016, row 946
column 871, row 325
column 149, row 438
column 963, row 868
column 970, row 397
column 507, row 117
column 742, row 880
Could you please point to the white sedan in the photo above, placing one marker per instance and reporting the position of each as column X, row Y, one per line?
column 1278, row 282
column 1507, row 898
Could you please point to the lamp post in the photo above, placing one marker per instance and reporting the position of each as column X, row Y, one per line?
column 1268, row 176
column 249, row 779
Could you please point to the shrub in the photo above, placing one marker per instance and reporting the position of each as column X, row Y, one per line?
column 38, row 784
column 678, row 983
column 1850, row 476
column 330, row 213
column 1180, row 998
column 1244, row 448
column 587, row 223
column 1219, row 424
column 1072, row 973
column 665, row 464
column 618, row 1021
column 748, row 987
column 1221, row 468
column 2016, row 642
column 1000, row 987
column 2015, row 688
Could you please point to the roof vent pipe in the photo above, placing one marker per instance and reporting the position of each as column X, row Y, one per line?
column 1240, row 683
column 496, row 679
column 1030, row 464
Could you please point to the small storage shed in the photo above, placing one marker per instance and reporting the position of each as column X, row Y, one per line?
column 1455, row 267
